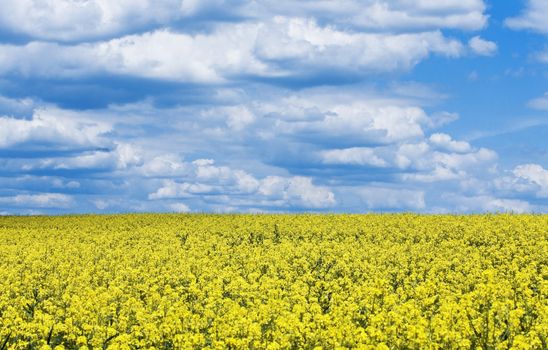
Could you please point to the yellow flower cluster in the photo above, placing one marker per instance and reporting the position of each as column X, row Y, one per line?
column 150, row 281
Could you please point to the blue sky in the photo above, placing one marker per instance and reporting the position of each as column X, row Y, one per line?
column 273, row 106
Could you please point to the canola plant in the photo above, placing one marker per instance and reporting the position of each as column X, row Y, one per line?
column 204, row 281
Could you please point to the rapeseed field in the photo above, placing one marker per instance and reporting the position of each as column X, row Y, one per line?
column 204, row 281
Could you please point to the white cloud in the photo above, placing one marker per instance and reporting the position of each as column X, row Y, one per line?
column 252, row 48
column 236, row 118
column 355, row 155
column 512, row 205
column 314, row 130
column 472, row 159
column 272, row 186
column 101, row 204
column 239, row 117
column 246, row 182
column 127, row 155
column 437, row 174
column 47, row 60
column 534, row 174
column 440, row 119
column 296, row 190
column 409, row 155
column 139, row 150
column 42, row 200
column 16, row 106
column 68, row 20
column 363, row 130
column 161, row 54
column 378, row 15
column 304, row 41
column 122, row 156
column 482, row 47
column 172, row 189
column 445, row 142
column 179, row 208
column 52, row 126
column 391, row 198
column 173, row 56
column 205, row 169
column 486, row 203
column 421, row 156
column 533, row 17
column 87, row 160
column 307, row 194
column 445, row 6
column 540, row 103
column 167, row 165
column 430, row 14
column 359, row 122
column 77, row 20
column 434, row 166
column 214, row 181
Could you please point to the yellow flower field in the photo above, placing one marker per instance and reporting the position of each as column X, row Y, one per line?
column 202, row 281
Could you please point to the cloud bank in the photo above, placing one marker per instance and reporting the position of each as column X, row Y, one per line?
column 248, row 106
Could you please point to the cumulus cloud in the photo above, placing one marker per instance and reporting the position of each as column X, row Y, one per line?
column 161, row 54
column 172, row 189
column 378, row 136
column 486, row 203
column 241, row 181
column 219, row 181
column 236, row 118
column 533, row 17
column 355, row 155
column 80, row 20
column 383, row 15
column 381, row 134
column 445, row 142
column 305, row 193
column 255, row 48
column 435, row 166
column 303, row 40
column 100, row 204
column 16, row 106
column 179, row 208
column 47, row 60
column 52, row 126
column 534, row 174
column 365, row 121
column 121, row 156
column 166, row 165
column 482, row 47
column 227, row 117
column 67, row 20
column 481, row 157
column 383, row 139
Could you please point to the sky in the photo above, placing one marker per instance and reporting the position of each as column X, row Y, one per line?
column 429, row 106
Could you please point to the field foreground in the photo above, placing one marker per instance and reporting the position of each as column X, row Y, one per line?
column 274, row 281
